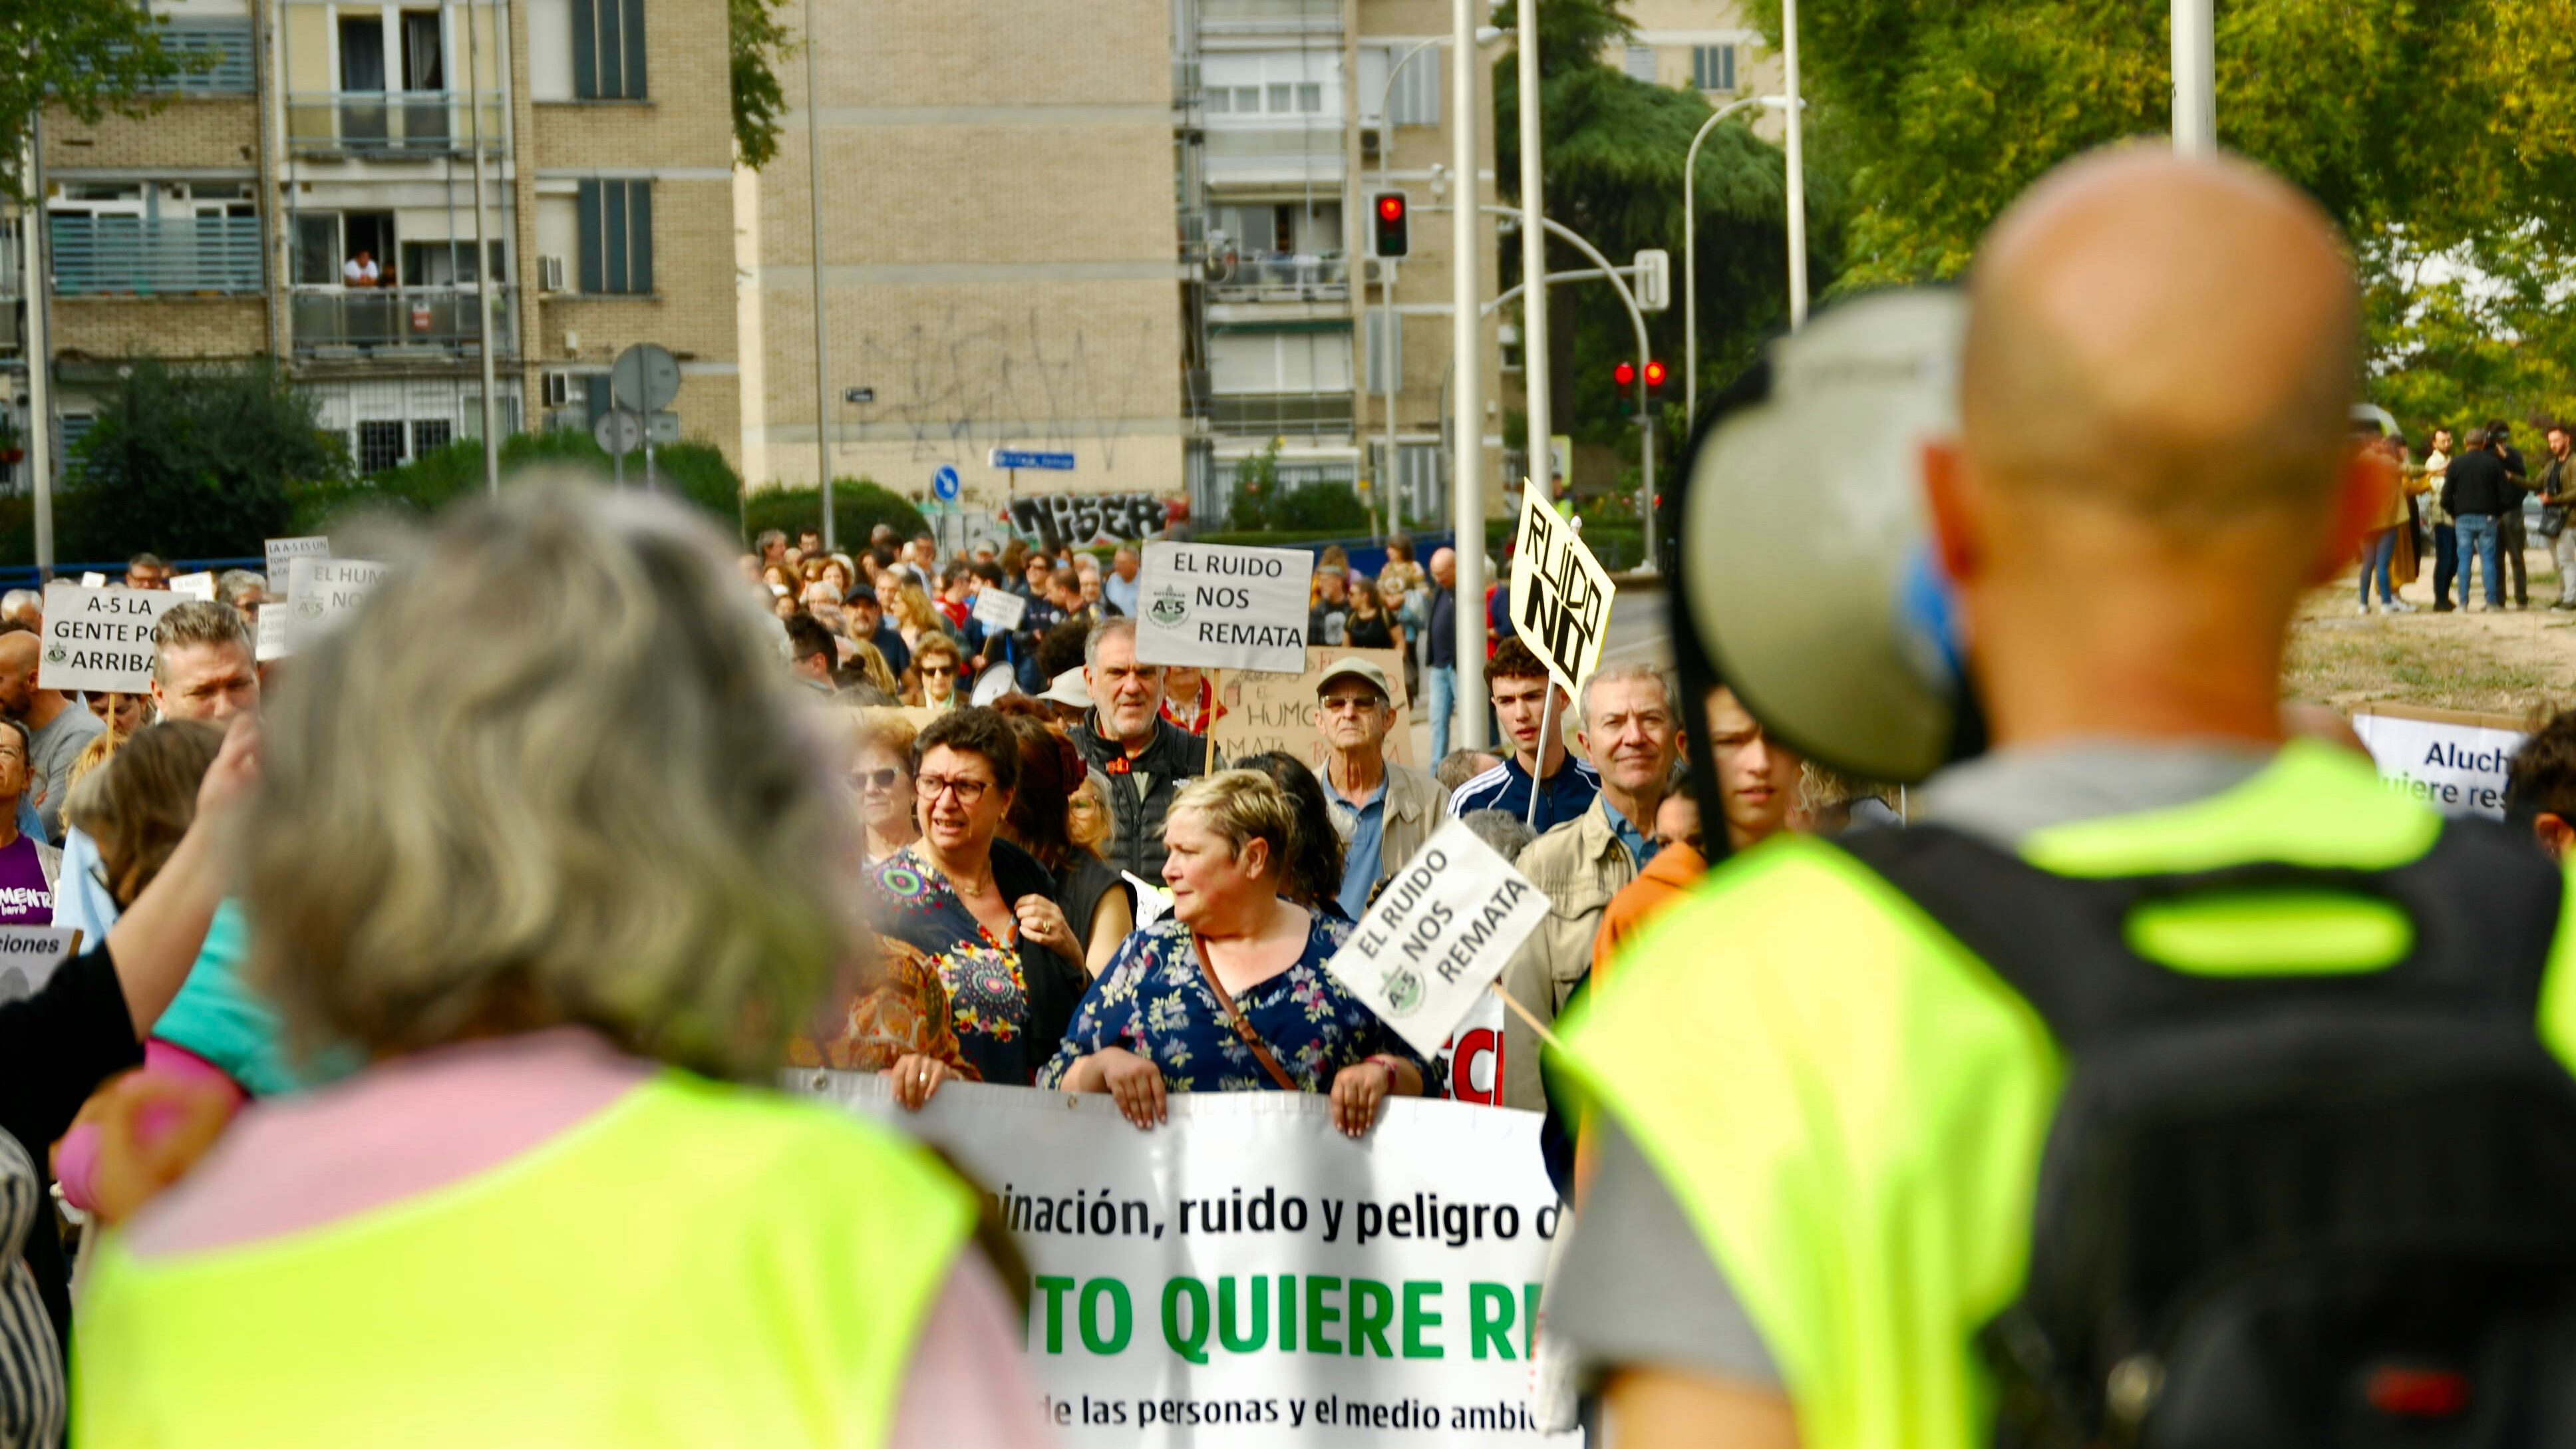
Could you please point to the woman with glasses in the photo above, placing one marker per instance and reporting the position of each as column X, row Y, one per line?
column 981, row 909
column 936, row 665
column 881, row 773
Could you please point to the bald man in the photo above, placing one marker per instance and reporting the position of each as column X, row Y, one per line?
column 58, row 727
column 1819, row 1116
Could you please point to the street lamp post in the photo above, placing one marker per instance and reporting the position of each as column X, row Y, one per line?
column 1467, row 421
column 1797, row 169
column 1534, row 356
column 1690, row 251
column 2195, row 66
column 822, row 319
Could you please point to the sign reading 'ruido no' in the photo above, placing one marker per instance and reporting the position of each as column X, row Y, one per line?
column 321, row 591
column 100, row 638
column 1220, row 606
column 1441, row 930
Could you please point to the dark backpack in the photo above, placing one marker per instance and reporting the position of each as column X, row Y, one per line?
column 2292, row 1210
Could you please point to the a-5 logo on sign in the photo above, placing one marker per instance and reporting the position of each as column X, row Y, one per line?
column 1170, row 607
column 1403, row 988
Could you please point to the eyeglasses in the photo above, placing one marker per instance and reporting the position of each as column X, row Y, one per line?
column 968, row 792
column 876, row 779
column 941, row 670
column 1335, row 702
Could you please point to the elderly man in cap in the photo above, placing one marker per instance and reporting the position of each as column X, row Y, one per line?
column 1383, row 810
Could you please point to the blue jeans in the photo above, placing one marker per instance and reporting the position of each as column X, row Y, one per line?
column 2379, row 554
column 2477, row 533
column 1442, row 684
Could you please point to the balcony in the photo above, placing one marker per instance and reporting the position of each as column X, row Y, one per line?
column 392, row 123
column 1280, row 415
column 1284, row 277
column 219, row 54
column 155, row 257
column 1270, row 17
column 395, row 321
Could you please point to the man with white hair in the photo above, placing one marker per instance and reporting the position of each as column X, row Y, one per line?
column 1121, row 587
column 1382, row 810
column 1630, row 724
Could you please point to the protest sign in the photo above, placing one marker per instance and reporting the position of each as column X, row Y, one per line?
column 199, row 585
column 93, row 580
column 2451, row 761
column 322, row 592
column 1244, row 1274
column 1277, row 711
column 1153, row 900
column 29, row 957
column 100, row 638
column 1443, row 927
column 1473, row 1054
column 282, row 554
column 272, row 634
column 999, row 609
column 1560, row 593
column 1220, row 606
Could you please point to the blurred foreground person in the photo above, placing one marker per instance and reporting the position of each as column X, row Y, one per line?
column 552, row 1210
column 2287, row 1039
column 2540, row 787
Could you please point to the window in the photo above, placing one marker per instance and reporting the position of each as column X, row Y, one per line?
column 1220, row 100
column 1415, row 100
column 380, row 445
column 1247, row 99
column 1310, row 97
column 608, row 50
column 1713, row 67
column 1641, row 63
column 616, row 236
column 1282, row 94
column 428, row 435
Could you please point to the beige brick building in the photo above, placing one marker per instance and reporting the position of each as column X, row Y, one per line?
column 1711, row 48
column 332, row 143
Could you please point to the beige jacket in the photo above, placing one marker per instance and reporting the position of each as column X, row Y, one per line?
column 1578, row 866
column 1416, row 805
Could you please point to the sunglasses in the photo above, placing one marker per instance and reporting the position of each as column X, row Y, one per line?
column 941, row 670
column 876, row 779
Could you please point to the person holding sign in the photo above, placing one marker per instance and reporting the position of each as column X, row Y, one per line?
column 1230, row 994
column 1532, row 713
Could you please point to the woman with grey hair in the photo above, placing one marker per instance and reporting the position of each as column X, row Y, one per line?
column 547, row 836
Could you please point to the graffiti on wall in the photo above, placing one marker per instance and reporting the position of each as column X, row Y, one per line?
column 1060, row 520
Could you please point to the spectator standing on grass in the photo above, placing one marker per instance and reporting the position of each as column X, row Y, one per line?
column 2511, row 539
column 2389, row 550
column 2479, row 492
column 2557, row 496
column 2446, row 536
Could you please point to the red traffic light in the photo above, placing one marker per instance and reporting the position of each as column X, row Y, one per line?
column 1390, row 206
column 1625, row 374
column 1389, row 211
column 1654, row 376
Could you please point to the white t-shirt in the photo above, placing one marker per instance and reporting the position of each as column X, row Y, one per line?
column 359, row 274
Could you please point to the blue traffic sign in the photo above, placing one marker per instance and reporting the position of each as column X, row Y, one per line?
column 943, row 483
column 1014, row 458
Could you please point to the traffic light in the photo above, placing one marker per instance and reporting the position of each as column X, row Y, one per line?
column 1392, row 215
column 1654, row 380
column 1623, row 380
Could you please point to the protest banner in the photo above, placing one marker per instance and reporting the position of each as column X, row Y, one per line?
column 29, row 957
column 322, row 592
column 1560, row 593
column 2452, row 761
column 1277, row 711
column 1220, row 606
column 1153, row 899
column 1245, row 1274
column 100, row 638
column 1472, row 1057
column 199, row 585
column 1443, row 927
column 282, row 554
column 999, row 609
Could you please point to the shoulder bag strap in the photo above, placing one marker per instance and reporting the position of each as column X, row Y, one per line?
column 1234, row 1018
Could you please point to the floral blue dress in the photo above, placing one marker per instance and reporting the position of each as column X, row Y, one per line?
column 1153, row 1000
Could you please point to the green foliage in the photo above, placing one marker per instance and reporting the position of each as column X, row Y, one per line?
column 1256, row 490
column 858, row 506
column 193, row 461
column 759, row 43
column 1261, row 505
column 694, row 471
column 88, row 57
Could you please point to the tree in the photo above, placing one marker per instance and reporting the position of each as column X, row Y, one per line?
column 194, row 462
column 88, row 56
column 759, row 43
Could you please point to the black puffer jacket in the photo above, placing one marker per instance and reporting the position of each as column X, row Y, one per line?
column 1140, row 790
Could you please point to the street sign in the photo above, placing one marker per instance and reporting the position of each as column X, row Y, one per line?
column 944, row 484
column 1654, row 280
column 619, row 432
column 645, row 377
column 858, row 395
column 662, row 427
column 1015, row 458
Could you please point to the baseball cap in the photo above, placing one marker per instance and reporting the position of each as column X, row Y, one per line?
column 1354, row 667
column 1069, row 689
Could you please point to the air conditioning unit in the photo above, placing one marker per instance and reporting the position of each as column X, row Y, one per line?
column 550, row 274
column 558, row 386
column 1377, row 271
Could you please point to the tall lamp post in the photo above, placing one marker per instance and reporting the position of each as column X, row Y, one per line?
column 822, row 319
column 1467, row 421
column 1690, row 251
column 2195, row 69
column 1797, row 168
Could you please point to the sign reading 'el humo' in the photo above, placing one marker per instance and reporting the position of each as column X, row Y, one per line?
column 1220, row 606
column 322, row 590
column 100, row 638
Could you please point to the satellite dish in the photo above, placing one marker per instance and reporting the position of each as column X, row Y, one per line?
column 1807, row 576
column 993, row 683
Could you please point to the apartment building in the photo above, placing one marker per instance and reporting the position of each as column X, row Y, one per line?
column 311, row 197
column 1132, row 231
column 1713, row 49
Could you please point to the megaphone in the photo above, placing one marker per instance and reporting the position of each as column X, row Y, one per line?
column 1805, row 579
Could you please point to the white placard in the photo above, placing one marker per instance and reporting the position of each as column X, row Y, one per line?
column 2457, row 766
column 29, row 957
column 93, row 580
column 199, row 585
column 1221, row 606
column 282, row 554
column 1153, row 902
column 999, row 609
column 101, row 638
column 322, row 592
column 1560, row 593
column 1443, row 927
column 1245, row 1275
column 272, row 634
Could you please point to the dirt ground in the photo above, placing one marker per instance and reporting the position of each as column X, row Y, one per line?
column 2519, row 662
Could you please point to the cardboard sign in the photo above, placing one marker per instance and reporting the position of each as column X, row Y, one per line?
column 282, row 554
column 999, row 609
column 1220, row 606
column 1560, row 593
column 1277, row 711
column 272, row 634
column 2451, row 761
column 1441, row 930
column 323, row 591
column 199, row 585
column 101, row 638
column 93, row 580
column 29, row 957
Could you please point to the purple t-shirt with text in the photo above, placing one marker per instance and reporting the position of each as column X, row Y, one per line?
column 25, row 899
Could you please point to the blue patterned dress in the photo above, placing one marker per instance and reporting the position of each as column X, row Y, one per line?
column 1153, row 1001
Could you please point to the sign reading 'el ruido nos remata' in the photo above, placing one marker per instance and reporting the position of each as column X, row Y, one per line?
column 1221, row 606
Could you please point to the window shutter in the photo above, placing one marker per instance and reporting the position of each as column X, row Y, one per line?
column 640, row 207
column 612, row 47
column 632, row 30
column 612, row 226
column 1641, row 63
column 585, row 51
column 593, row 238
